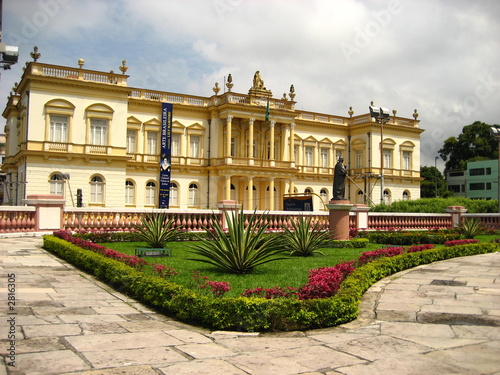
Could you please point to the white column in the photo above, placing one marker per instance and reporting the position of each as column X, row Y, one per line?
column 251, row 156
column 228, row 139
column 271, row 143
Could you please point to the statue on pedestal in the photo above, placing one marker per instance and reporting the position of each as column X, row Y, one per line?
column 339, row 180
column 258, row 83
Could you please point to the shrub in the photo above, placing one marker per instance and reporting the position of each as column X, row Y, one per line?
column 470, row 228
column 459, row 242
column 411, row 238
column 252, row 314
column 243, row 247
column 305, row 238
column 271, row 293
column 324, row 282
column 157, row 229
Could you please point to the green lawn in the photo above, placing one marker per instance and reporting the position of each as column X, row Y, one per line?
column 288, row 272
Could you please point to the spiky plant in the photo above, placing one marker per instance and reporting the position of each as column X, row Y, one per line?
column 304, row 238
column 157, row 229
column 470, row 227
column 241, row 248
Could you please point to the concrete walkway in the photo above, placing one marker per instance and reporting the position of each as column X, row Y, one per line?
column 442, row 318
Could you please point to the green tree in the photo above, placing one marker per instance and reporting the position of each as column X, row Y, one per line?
column 474, row 142
column 432, row 177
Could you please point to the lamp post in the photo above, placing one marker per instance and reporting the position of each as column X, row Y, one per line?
column 495, row 132
column 380, row 115
column 436, row 176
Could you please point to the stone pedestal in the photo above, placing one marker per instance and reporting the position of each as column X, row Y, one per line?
column 361, row 211
column 339, row 218
column 456, row 214
column 49, row 211
column 227, row 207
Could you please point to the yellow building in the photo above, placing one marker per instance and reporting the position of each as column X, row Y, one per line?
column 72, row 130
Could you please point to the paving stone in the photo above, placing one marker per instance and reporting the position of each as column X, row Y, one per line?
column 408, row 329
column 202, row 351
column 188, row 336
column 95, row 318
column 51, row 330
column 91, row 343
column 476, row 332
column 125, row 370
column 37, row 344
column 53, row 362
column 414, row 365
column 156, row 356
column 262, row 344
column 293, row 361
column 94, row 328
column 150, row 325
column 379, row 347
column 205, row 367
column 481, row 358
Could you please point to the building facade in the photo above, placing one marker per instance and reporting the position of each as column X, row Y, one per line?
column 90, row 137
column 478, row 181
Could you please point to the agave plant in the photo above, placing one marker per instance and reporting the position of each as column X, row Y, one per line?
column 242, row 247
column 304, row 238
column 470, row 227
column 157, row 229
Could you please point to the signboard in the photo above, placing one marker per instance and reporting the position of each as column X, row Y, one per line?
column 166, row 155
column 298, row 203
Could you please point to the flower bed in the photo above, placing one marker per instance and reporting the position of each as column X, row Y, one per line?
column 252, row 313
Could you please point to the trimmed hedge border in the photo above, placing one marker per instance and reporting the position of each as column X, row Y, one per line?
column 251, row 313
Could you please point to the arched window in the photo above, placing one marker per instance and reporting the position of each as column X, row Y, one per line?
column 307, row 191
column 174, row 194
column 193, row 195
column 406, row 195
column 361, row 197
column 323, row 193
column 96, row 190
column 56, row 184
column 129, row 192
column 387, row 197
column 150, row 193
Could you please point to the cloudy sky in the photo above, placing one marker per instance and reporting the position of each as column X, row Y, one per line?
column 441, row 57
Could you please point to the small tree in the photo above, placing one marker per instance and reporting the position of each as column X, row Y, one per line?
column 157, row 229
column 241, row 248
column 305, row 238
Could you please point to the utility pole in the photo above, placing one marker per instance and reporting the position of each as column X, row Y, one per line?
column 380, row 115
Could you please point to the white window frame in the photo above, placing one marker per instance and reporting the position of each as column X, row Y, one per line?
column 56, row 184
column 309, row 156
column 193, row 195
column 152, row 143
column 324, row 157
column 175, row 145
column 99, row 132
column 150, row 193
column 407, row 160
column 97, row 189
column 129, row 192
column 194, row 146
column 59, row 128
column 174, row 194
column 131, row 141
column 358, row 158
column 387, row 158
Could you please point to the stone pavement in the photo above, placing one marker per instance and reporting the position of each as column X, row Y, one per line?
column 442, row 318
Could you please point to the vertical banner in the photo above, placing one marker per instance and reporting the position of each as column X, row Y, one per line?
column 166, row 154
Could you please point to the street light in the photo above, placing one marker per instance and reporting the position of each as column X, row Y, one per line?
column 495, row 132
column 380, row 115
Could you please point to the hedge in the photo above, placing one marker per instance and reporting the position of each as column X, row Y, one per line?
column 251, row 313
